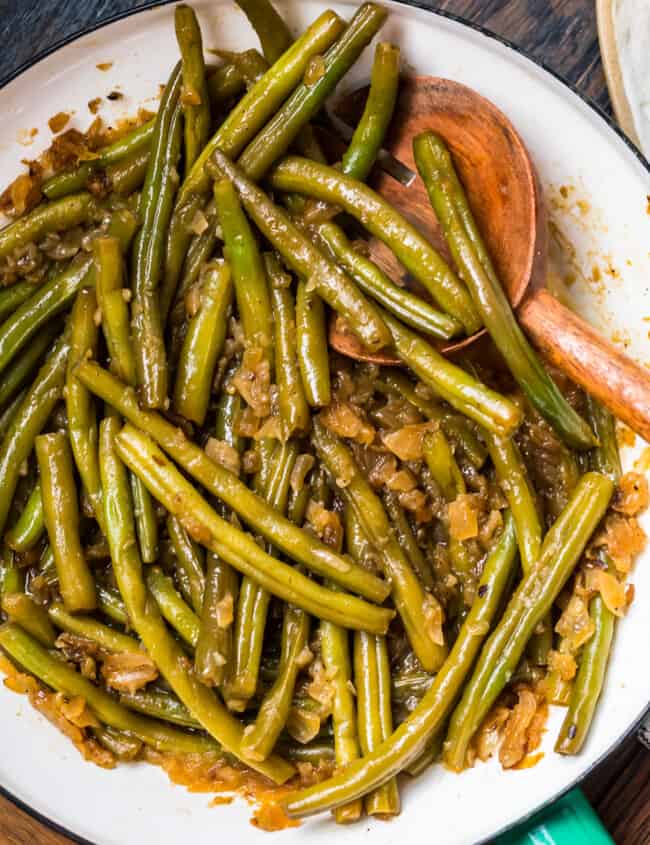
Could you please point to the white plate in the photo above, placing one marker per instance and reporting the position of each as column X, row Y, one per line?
column 604, row 217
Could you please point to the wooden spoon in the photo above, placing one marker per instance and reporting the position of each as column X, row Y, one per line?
column 506, row 197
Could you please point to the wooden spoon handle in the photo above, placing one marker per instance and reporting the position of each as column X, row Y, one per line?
column 578, row 350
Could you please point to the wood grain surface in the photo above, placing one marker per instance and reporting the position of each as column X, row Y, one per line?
column 559, row 33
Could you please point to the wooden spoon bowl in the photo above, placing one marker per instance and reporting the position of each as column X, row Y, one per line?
column 505, row 195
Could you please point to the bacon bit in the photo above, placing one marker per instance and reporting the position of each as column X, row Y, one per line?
column 537, row 727
column 513, row 748
column 76, row 711
column 407, row 441
column 58, row 121
column 613, row 592
column 564, row 664
column 104, row 66
column 463, row 518
column 247, row 424
column 271, row 428
column 345, row 420
column 402, row 481
column 575, row 624
column 224, row 454
column 128, row 671
column 271, row 817
column 326, row 524
column 623, row 538
column 631, row 496
column 23, row 194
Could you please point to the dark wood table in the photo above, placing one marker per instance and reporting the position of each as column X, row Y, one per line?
column 560, row 33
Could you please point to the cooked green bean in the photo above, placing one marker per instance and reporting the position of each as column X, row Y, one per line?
column 249, row 275
column 272, row 31
column 248, row 117
column 250, row 63
column 111, row 605
column 160, row 705
column 327, row 183
column 223, row 84
column 190, row 560
column 461, row 432
column 530, row 603
column 236, row 548
column 86, row 626
column 442, row 465
column 69, row 181
column 292, row 540
column 61, row 513
column 412, row 603
column 405, row 538
column 313, row 352
column 203, row 344
column 214, row 649
column 45, row 218
column 13, row 297
column 374, row 714
column 300, row 254
column 172, row 607
column 455, row 385
column 229, row 408
column 292, row 402
column 12, row 578
column 125, row 177
column 28, row 421
column 166, row 653
column 281, row 130
column 156, row 204
column 194, row 96
column 410, row 308
column 260, row 738
column 61, row 677
column 110, row 290
column 411, row 738
column 23, row 610
column 470, row 255
column 122, row 745
column 23, row 368
column 30, row 526
column 146, row 521
column 605, row 457
column 82, row 418
column 199, row 253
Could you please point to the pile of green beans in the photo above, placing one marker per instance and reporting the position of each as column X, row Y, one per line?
column 313, row 562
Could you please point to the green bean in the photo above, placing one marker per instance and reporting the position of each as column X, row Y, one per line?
column 82, row 419
column 452, row 210
column 453, row 384
column 292, row 402
column 314, row 752
column 111, row 605
column 194, row 96
column 410, row 685
column 335, row 654
column 86, row 626
column 247, row 118
column 356, row 539
column 308, row 98
column 260, row 738
column 146, row 520
column 513, row 479
column 460, row 430
column 61, row 513
column 236, row 548
column 30, row 526
column 126, row 177
column 203, row 344
column 214, row 649
column 412, row 737
column 229, row 407
column 250, row 63
column 405, row 538
column 55, row 295
column 109, row 286
column 313, row 353
column 249, row 276
column 225, row 83
column 327, row 183
column 271, row 30
column 45, row 218
column 12, row 578
column 14, row 296
column 412, row 603
column 605, row 457
column 530, row 603
column 189, row 559
column 166, row 653
column 23, row 369
column 23, row 610
column 410, row 308
column 442, row 465
column 60, row 676
column 374, row 714
column 156, row 204
column 300, row 254
column 69, row 181
column 28, row 421
column 159, row 705
column 292, row 540
column 122, row 745
column 172, row 607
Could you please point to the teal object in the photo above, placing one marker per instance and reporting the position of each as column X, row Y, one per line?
column 570, row 821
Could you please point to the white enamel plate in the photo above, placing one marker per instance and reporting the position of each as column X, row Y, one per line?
column 600, row 219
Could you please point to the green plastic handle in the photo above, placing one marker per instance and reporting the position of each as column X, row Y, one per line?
column 570, row 821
